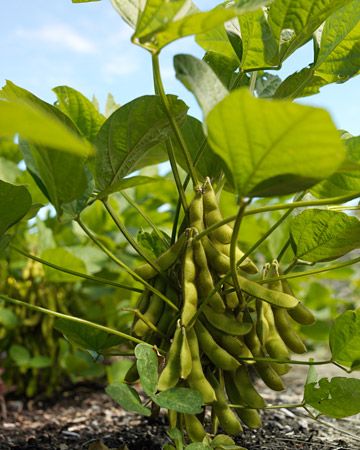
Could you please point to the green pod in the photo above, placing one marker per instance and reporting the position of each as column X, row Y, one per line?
column 204, row 279
column 246, row 389
column 287, row 333
column 164, row 261
column 236, row 347
column 185, row 357
column 169, row 377
column 143, row 301
column 226, row 322
column 190, row 294
column 220, row 357
column 302, row 315
column 274, row 345
column 247, row 265
column 166, row 319
column 194, row 428
column 232, row 300
column 262, row 325
column 250, row 417
column 217, row 260
column 228, row 420
column 196, row 212
column 196, row 379
column 275, row 298
column 269, row 376
column 153, row 312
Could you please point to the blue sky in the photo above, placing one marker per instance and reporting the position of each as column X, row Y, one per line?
column 87, row 46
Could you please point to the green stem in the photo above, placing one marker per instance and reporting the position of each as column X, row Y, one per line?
column 291, row 266
column 279, row 206
column 175, row 172
column 311, row 272
column 73, row 319
column 145, row 217
column 147, row 322
column 172, row 120
column 252, row 85
column 128, row 236
column 124, row 266
column 282, row 406
column 73, row 272
column 284, row 361
column 283, row 250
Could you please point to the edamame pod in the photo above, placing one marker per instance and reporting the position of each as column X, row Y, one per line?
column 196, row 212
column 244, row 386
column 220, row 357
column 171, row 373
column 194, row 428
column 185, row 357
column 286, row 331
column 226, row 416
column 250, row 417
column 190, row 294
column 164, row 261
column 196, row 379
column 217, row 260
column 226, row 322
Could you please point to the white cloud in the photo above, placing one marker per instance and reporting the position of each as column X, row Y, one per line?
column 121, row 65
column 60, row 35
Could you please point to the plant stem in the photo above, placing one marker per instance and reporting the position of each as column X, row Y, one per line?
column 283, row 250
column 173, row 122
column 311, row 272
column 252, row 85
column 73, row 319
column 285, row 361
column 279, row 206
column 125, row 267
column 284, row 405
column 175, row 172
column 76, row 274
column 128, row 236
column 145, row 217
column 291, row 266
column 141, row 316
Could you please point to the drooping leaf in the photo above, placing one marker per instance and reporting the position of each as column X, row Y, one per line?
column 53, row 170
column 147, row 366
column 344, row 181
column 80, row 109
column 130, row 138
column 127, row 398
column 200, row 79
column 20, row 355
column 38, row 122
column 182, row 400
column 344, row 339
column 62, row 257
column 293, row 23
column 259, row 46
column 88, row 338
column 273, row 147
column 15, row 202
column 338, row 397
column 40, row 362
column 8, row 319
column 322, row 235
column 224, row 68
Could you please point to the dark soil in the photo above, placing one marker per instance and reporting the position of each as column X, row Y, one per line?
column 82, row 416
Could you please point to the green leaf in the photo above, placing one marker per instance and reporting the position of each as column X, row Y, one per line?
column 37, row 122
column 223, row 67
column 163, row 22
column 129, row 10
column 321, row 235
column 267, row 84
column 344, row 338
column 8, row 318
column 273, row 147
column 20, row 355
column 338, row 58
column 9, row 171
column 80, row 110
column 4, row 242
column 52, row 170
column 259, row 47
column 86, row 337
column 9, row 150
column 40, row 362
column 147, row 366
column 216, row 40
column 200, row 79
column 342, row 182
column 198, row 446
column 182, row 400
column 63, row 258
column 15, row 202
column 300, row 84
column 127, row 183
column 293, row 23
column 338, row 397
column 130, row 138
column 127, row 398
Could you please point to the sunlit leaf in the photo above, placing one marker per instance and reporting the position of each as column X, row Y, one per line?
column 15, row 202
column 344, row 338
column 127, row 398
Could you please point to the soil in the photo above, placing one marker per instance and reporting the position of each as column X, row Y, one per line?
column 85, row 418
